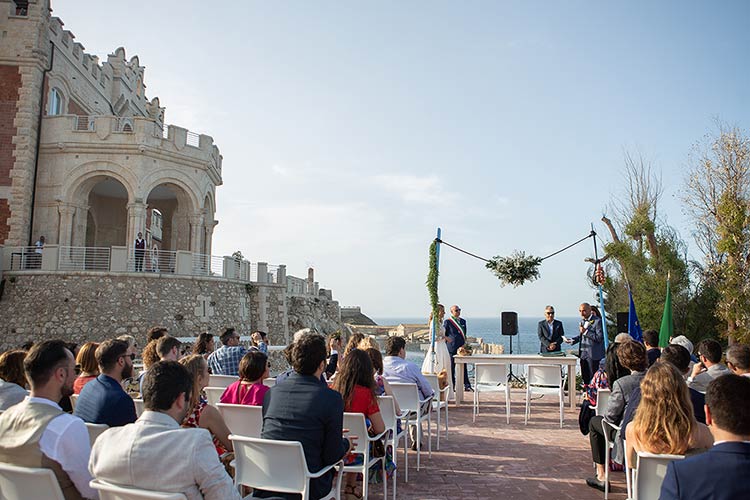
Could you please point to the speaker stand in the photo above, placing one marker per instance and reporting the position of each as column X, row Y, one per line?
column 511, row 376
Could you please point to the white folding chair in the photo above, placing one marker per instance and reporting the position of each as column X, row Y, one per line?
column 242, row 420
column 387, row 407
column 223, row 381
column 138, row 406
column 25, row 483
column 213, row 394
column 649, row 474
column 108, row 491
column 602, row 400
column 269, row 382
column 357, row 426
column 543, row 379
column 606, row 426
column 407, row 396
column 73, row 401
column 95, row 430
column 628, row 471
column 490, row 377
column 439, row 402
column 272, row 465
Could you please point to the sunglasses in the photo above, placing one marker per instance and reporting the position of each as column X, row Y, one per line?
column 548, row 313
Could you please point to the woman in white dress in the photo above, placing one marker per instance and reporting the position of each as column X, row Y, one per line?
column 442, row 359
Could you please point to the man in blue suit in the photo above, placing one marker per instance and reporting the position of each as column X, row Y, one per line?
column 590, row 342
column 719, row 473
column 550, row 332
column 455, row 333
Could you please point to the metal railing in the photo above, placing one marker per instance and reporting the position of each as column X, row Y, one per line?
column 211, row 265
column 193, row 139
column 152, row 261
column 83, row 258
column 24, row 258
column 83, row 123
column 86, row 123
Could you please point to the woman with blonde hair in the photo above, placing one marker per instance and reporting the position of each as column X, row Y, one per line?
column 368, row 342
column 86, row 361
column 664, row 422
column 354, row 341
column 202, row 414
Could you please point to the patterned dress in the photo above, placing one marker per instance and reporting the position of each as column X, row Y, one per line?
column 193, row 420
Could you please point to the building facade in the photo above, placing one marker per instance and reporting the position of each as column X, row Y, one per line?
column 86, row 159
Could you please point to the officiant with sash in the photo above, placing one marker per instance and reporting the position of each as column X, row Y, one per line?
column 455, row 336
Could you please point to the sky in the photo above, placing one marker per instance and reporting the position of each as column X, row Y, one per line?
column 350, row 131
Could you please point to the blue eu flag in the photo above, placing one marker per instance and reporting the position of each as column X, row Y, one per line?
column 634, row 326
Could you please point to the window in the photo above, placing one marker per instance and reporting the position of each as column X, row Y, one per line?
column 55, row 103
column 22, row 7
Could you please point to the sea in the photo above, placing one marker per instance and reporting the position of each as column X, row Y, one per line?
column 489, row 329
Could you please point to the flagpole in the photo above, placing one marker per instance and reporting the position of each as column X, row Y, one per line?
column 434, row 326
column 601, row 291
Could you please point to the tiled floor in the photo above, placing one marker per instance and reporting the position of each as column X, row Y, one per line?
column 490, row 459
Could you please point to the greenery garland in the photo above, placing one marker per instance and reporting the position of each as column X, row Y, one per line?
column 432, row 279
column 516, row 269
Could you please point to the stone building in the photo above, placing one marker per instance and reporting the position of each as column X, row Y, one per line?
column 85, row 157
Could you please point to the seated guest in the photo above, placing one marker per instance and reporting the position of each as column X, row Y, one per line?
column 664, row 422
column 302, row 409
column 202, row 414
column 226, row 359
column 12, row 378
column 155, row 333
column 709, row 367
column 632, row 355
column 352, row 344
column 249, row 389
column 356, row 384
column 37, row 433
column 86, row 361
column 651, row 341
column 606, row 375
column 204, row 345
column 131, row 385
column 719, row 473
column 168, row 348
column 382, row 387
column 368, row 342
column 738, row 359
column 260, row 342
column 397, row 369
column 334, row 346
column 281, row 377
column 103, row 400
column 155, row 452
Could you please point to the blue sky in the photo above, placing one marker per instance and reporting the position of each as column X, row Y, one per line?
column 351, row 130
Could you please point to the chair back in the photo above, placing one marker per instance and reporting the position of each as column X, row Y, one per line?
column 213, row 394
column 242, row 420
column 25, row 483
column 357, row 426
column 407, row 396
column 490, row 374
column 387, row 407
column 221, row 380
column 95, row 430
column 602, row 400
column 544, row 375
column 433, row 380
column 138, row 406
column 258, row 462
column 73, row 401
column 650, row 472
column 269, row 382
column 109, row 491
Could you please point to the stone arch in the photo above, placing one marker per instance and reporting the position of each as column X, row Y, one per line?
column 58, row 82
column 80, row 180
column 176, row 177
column 171, row 204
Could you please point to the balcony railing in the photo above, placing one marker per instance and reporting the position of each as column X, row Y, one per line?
column 83, row 258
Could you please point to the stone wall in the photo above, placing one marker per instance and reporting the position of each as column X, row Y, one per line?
column 83, row 306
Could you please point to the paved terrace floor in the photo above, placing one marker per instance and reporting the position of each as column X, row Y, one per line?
column 490, row 459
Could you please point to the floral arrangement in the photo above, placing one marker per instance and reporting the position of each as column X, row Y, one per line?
column 516, row 269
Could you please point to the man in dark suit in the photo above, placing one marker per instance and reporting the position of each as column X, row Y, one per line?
column 719, row 473
column 550, row 332
column 455, row 338
column 591, row 342
column 302, row 409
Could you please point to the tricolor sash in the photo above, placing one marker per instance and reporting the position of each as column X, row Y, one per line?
column 458, row 326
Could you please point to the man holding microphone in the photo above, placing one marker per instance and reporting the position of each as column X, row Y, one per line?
column 590, row 340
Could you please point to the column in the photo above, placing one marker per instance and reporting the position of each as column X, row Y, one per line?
column 65, row 235
column 136, row 224
column 209, row 235
column 196, row 230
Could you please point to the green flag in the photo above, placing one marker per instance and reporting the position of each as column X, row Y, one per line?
column 667, row 322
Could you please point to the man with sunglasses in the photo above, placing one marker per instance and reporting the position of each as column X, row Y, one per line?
column 103, row 400
column 550, row 332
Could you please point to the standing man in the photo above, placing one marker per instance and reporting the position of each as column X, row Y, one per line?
column 590, row 342
column 140, row 252
column 38, row 251
column 550, row 332
column 455, row 337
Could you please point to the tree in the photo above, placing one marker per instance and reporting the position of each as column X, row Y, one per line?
column 718, row 201
column 644, row 250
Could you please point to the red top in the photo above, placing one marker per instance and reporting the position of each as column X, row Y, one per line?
column 363, row 401
column 244, row 394
column 80, row 382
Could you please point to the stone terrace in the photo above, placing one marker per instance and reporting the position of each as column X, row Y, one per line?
column 492, row 460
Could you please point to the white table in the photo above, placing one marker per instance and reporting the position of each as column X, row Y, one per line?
column 517, row 359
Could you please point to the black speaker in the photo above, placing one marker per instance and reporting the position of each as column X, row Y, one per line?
column 510, row 322
column 622, row 322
